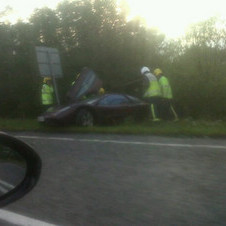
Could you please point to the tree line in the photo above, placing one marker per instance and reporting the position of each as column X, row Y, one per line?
column 97, row 34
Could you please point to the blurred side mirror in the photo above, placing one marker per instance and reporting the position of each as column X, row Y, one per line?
column 20, row 168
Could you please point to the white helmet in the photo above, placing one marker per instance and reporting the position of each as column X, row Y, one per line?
column 144, row 69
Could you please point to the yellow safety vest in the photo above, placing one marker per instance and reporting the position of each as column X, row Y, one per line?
column 153, row 89
column 47, row 94
column 165, row 88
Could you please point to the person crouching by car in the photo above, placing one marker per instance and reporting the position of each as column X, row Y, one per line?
column 100, row 92
column 47, row 93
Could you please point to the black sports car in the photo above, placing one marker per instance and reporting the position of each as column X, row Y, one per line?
column 107, row 108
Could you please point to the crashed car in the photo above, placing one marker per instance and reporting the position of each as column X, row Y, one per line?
column 98, row 109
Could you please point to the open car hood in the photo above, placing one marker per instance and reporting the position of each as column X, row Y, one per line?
column 87, row 83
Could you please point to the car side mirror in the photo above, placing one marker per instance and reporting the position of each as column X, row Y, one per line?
column 20, row 168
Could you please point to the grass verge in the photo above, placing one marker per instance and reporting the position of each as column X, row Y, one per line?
column 180, row 128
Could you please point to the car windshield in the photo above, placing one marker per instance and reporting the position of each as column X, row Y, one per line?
column 113, row 99
column 134, row 99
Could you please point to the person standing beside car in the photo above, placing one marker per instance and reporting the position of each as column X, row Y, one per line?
column 153, row 93
column 47, row 93
column 167, row 108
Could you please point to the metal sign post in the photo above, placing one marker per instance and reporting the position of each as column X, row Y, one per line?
column 54, row 79
column 49, row 65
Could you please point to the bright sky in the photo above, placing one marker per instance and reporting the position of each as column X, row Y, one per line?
column 171, row 17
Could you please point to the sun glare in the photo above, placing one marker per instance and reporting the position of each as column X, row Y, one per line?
column 22, row 9
column 171, row 17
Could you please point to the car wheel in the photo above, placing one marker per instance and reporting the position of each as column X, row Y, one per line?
column 84, row 118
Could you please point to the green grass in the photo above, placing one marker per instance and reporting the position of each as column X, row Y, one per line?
column 180, row 128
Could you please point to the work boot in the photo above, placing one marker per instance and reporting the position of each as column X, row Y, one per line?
column 176, row 120
column 156, row 120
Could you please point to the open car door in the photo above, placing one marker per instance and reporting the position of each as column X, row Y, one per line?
column 87, row 83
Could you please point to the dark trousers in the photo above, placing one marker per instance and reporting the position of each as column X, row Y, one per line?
column 45, row 107
column 167, row 109
column 154, row 106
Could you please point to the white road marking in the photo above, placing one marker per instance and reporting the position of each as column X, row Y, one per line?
column 3, row 190
column 6, row 184
column 126, row 142
column 5, row 187
column 46, row 138
column 21, row 220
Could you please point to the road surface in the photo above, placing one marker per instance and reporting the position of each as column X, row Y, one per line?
column 11, row 175
column 124, row 180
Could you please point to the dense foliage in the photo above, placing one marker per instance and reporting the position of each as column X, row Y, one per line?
column 96, row 33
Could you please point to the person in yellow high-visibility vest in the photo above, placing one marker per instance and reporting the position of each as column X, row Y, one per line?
column 47, row 93
column 153, row 93
column 167, row 109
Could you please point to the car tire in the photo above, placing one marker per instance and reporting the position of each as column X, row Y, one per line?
column 84, row 117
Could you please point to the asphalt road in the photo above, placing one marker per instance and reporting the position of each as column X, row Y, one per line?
column 11, row 175
column 126, row 180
